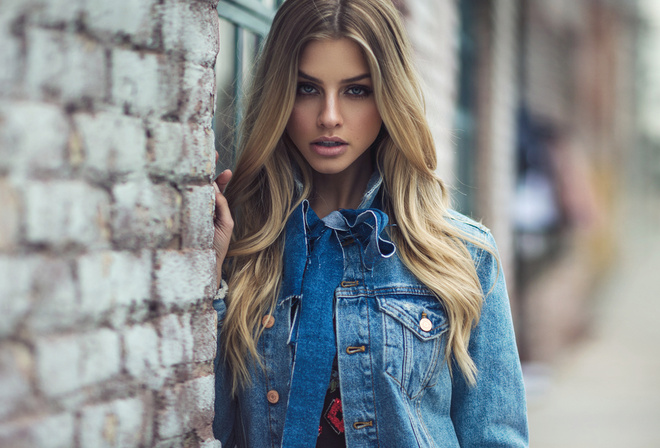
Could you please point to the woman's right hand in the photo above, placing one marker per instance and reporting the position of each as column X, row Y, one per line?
column 222, row 221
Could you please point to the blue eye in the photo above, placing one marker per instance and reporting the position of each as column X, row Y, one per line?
column 358, row 91
column 306, row 89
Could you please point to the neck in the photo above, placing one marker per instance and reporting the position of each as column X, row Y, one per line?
column 341, row 190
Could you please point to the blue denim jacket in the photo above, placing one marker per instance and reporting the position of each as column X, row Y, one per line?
column 396, row 387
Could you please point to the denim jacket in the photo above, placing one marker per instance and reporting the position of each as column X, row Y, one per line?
column 396, row 387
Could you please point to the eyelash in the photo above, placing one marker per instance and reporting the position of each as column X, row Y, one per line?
column 365, row 91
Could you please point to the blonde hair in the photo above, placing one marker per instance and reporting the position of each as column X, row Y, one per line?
column 262, row 194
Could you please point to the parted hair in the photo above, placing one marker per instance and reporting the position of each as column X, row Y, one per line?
column 262, row 192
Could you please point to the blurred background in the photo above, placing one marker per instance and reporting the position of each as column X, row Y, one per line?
column 546, row 116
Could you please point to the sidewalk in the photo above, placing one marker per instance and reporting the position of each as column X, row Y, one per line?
column 606, row 391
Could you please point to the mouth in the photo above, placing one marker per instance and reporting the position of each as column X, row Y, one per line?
column 329, row 142
column 329, row 146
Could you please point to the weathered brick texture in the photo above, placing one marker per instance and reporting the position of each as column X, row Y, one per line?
column 107, row 335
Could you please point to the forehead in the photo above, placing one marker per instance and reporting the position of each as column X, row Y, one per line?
column 330, row 58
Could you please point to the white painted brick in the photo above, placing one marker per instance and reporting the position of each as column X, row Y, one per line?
column 129, row 17
column 184, row 278
column 169, row 420
column 145, row 84
column 101, row 356
column 205, row 334
column 198, row 95
column 58, row 364
column 117, row 424
column 56, row 431
column 64, row 65
column 183, row 151
column 166, row 148
column 191, row 29
column 198, row 401
column 15, row 370
column 186, row 407
column 63, row 212
column 145, row 215
column 55, row 296
column 15, row 291
column 197, row 217
column 176, row 442
column 10, row 57
column 210, row 444
column 22, row 149
column 199, row 146
column 56, row 12
column 10, row 219
column 113, row 283
column 141, row 355
column 114, row 144
column 176, row 339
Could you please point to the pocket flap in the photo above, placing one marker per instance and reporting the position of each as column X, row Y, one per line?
column 423, row 315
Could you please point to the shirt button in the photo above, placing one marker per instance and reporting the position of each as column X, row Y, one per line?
column 273, row 397
column 425, row 324
column 268, row 321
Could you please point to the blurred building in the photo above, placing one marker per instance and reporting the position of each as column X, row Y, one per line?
column 548, row 92
column 646, row 171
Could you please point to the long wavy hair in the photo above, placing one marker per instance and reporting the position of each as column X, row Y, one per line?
column 262, row 194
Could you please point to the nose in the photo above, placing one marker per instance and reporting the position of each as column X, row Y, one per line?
column 330, row 113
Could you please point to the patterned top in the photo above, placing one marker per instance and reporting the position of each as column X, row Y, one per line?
column 331, row 426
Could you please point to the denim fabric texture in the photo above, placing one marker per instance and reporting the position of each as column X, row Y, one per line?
column 390, row 330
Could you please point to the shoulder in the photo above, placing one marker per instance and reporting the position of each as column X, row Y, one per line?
column 481, row 245
column 471, row 230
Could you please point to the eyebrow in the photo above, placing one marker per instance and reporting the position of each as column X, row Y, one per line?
column 343, row 81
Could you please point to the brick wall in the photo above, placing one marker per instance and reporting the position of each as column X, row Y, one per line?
column 107, row 335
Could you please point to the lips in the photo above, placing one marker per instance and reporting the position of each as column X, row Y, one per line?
column 329, row 141
column 329, row 146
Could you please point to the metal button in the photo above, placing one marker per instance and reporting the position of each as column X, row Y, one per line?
column 268, row 321
column 425, row 324
column 354, row 350
column 273, row 397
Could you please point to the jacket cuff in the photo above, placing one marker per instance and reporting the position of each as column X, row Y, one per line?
column 219, row 302
column 222, row 291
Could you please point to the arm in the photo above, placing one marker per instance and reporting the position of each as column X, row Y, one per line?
column 492, row 413
column 225, row 405
column 223, row 223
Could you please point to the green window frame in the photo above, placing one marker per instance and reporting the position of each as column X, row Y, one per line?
column 243, row 26
column 465, row 123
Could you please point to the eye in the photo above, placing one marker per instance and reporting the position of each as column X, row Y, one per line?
column 306, row 89
column 358, row 91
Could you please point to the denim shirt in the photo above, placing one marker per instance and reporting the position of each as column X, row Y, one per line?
column 396, row 387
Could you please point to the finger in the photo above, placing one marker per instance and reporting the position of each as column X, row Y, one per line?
column 223, row 179
column 223, row 219
column 217, row 156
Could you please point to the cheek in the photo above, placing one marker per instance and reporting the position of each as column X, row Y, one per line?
column 369, row 122
column 297, row 122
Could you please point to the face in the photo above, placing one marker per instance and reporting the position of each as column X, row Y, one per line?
column 334, row 119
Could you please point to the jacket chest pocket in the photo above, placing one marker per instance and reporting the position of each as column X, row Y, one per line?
column 413, row 346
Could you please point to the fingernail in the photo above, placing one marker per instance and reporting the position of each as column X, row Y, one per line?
column 215, row 186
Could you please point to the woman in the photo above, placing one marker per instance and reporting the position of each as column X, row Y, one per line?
column 360, row 310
